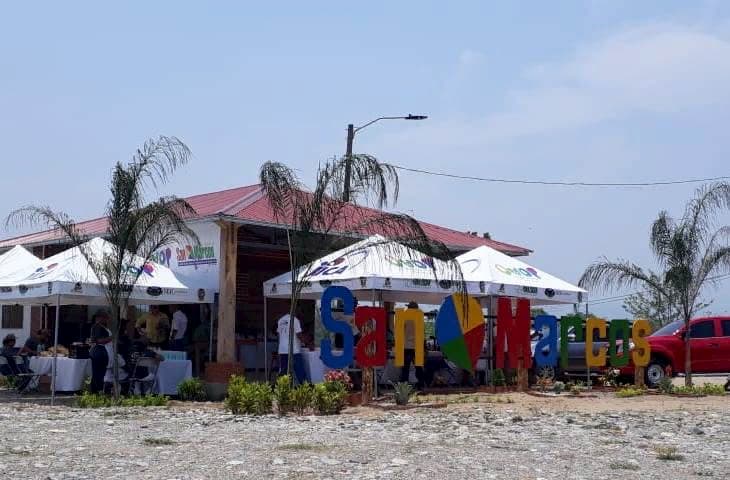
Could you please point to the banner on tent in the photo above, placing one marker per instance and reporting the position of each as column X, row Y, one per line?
column 460, row 331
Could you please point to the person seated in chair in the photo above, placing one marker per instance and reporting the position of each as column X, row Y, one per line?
column 141, row 350
column 9, row 351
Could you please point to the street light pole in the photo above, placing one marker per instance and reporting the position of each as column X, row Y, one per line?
column 351, row 130
column 348, row 162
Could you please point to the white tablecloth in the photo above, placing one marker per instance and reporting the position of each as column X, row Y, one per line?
column 314, row 366
column 71, row 371
column 171, row 373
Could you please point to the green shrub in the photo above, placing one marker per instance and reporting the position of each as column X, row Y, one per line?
column 558, row 387
column 498, row 378
column 402, row 392
column 330, row 397
column 302, row 398
column 630, row 392
column 712, row 389
column 9, row 382
column 576, row 390
column 248, row 398
column 665, row 385
column 283, row 394
column 95, row 400
column 192, row 390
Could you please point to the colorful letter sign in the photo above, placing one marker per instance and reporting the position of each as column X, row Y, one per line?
column 514, row 331
column 415, row 317
column 371, row 350
column 337, row 326
column 460, row 330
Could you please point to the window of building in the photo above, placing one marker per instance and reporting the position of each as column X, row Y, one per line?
column 12, row 317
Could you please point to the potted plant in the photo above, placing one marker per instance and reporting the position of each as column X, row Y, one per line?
column 341, row 376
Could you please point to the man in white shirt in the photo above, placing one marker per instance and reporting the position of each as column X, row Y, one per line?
column 179, row 328
column 282, row 330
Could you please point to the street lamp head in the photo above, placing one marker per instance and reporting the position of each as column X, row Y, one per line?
column 416, row 117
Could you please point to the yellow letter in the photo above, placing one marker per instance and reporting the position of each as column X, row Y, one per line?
column 415, row 317
column 642, row 351
column 597, row 360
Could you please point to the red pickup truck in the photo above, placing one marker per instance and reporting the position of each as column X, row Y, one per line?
column 709, row 343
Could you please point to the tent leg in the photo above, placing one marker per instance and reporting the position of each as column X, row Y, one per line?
column 55, row 351
column 210, row 340
column 266, row 341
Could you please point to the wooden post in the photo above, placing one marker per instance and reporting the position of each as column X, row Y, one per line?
column 226, row 364
column 227, row 304
column 639, row 376
column 522, row 383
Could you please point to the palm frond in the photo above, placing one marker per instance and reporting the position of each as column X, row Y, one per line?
column 660, row 238
column 607, row 275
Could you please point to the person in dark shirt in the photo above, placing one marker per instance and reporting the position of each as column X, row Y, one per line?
column 35, row 344
column 100, row 336
column 9, row 351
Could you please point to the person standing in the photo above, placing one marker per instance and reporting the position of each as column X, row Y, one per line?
column 154, row 325
column 100, row 337
column 282, row 329
column 179, row 328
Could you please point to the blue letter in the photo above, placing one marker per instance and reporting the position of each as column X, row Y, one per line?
column 549, row 357
column 337, row 326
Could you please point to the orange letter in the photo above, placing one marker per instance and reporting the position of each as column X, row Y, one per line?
column 415, row 316
column 642, row 351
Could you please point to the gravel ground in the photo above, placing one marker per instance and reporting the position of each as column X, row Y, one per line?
column 531, row 438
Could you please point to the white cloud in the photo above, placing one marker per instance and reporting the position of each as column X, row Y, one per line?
column 652, row 69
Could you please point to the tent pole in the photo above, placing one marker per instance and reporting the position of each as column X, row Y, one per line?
column 266, row 340
column 210, row 339
column 55, row 350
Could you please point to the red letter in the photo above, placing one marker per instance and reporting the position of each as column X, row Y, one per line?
column 514, row 331
column 371, row 349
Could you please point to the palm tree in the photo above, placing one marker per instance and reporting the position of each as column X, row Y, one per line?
column 319, row 222
column 692, row 252
column 136, row 228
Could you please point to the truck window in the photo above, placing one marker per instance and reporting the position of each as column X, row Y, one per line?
column 704, row 329
column 726, row 328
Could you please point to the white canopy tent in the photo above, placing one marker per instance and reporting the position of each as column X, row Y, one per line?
column 508, row 276
column 394, row 270
column 68, row 279
column 17, row 259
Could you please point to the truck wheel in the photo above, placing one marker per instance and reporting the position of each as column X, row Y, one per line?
column 655, row 372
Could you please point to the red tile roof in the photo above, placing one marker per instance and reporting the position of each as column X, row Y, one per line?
column 249, row 205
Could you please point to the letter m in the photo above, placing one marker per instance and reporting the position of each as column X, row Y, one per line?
column 513, row 332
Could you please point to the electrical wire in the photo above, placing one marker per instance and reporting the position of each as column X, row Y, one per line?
column 563, row 184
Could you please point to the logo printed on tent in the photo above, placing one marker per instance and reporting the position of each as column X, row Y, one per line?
column 41, row 272
column 528, row 272
column 340, row 264
column 471, row 265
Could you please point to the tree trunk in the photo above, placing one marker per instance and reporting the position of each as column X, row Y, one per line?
column 639, row 376
column 522, row 380
column 687, row 356
column 367, row 385
column 115, row 341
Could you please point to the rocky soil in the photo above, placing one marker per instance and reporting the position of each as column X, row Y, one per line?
column 532, row 438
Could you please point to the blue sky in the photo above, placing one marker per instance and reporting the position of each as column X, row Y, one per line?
column 596, row 91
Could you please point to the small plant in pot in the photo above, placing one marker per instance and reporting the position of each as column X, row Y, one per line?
column 342, row 377
column 402, row 392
